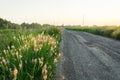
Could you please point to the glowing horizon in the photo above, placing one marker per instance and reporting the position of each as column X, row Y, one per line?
column 68, row 12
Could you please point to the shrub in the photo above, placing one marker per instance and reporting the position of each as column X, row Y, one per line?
column 116, row 34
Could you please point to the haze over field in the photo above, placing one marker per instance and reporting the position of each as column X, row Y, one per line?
column 95, row 12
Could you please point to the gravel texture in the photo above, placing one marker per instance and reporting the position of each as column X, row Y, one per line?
column 88, row 57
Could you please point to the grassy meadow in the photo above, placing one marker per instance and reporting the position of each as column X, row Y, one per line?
column 30, row 54
column 108, row 31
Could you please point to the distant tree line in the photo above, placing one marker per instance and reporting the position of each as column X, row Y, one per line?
column 4, row 24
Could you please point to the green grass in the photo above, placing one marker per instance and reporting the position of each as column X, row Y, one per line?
column 29, row 54
column 108, row 31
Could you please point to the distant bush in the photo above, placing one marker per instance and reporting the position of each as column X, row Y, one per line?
column 116, row 34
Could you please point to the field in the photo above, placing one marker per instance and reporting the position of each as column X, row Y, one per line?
column 32, row 54
column 108, row 31
column 29, row 54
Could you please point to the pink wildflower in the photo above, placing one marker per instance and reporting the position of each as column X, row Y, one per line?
column 45, row 77
column 15, row 72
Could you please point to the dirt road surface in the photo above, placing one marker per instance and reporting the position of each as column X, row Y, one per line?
column 88, row 57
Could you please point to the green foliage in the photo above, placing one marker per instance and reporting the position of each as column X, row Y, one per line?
column 54, row 31
column 116, row 34
column 108, row 31
column 29, row 54
column 4, row 24
column 30, row 26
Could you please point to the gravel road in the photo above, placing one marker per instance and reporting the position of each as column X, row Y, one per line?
column 88, row 57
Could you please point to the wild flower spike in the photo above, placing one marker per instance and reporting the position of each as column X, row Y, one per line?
column 46, row 71
column 13, row 46
column 20, row 65
column 15, row 72
column 4, row 51
column 14, row 37
column 40, row 45
column 59, row 54
column 55, row 60
column 3, row 60
column 45, row 77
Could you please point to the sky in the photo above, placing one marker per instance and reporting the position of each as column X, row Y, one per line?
column 58, row 12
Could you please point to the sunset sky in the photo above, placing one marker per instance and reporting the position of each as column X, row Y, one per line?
column 95, row 12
